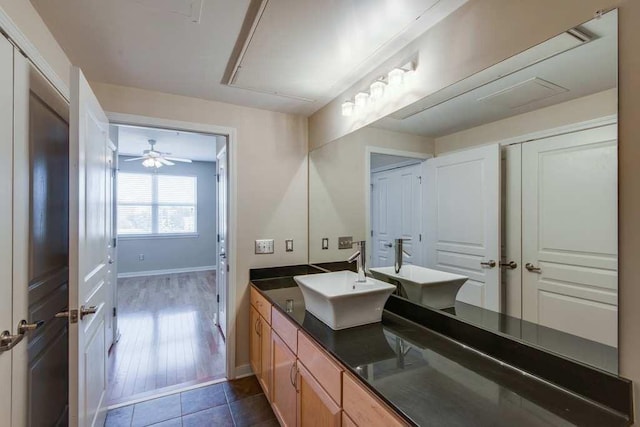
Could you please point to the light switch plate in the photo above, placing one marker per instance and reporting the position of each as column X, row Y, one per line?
column 288, row 244
column 345, row 242
column 325, row 243
column 264, row 246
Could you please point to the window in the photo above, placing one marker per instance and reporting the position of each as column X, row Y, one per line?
column 151, row 204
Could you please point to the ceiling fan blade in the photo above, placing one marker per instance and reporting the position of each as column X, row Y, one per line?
column 165, row 161
column 178, row 159
column 135, row 158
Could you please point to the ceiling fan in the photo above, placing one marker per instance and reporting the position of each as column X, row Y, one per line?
column 156, row 159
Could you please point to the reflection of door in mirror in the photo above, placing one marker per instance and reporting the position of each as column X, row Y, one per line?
column 396, row 211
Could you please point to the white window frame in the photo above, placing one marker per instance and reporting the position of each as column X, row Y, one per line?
column 155, row 233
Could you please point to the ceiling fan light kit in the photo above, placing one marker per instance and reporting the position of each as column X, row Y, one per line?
column 156, row 159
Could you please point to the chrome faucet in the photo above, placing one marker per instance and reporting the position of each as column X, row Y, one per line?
column 399, row 252
column 360, row 256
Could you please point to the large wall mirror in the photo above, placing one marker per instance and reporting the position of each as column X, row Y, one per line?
column 503, row 194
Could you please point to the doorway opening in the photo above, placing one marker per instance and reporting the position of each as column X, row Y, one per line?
column 169, row 321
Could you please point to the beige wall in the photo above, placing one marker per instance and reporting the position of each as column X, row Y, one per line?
column 271, row 178
column 575, row 111
column 337, row 187
column 25, row 17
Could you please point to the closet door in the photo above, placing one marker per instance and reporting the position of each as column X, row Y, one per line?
column 462, row 206
column 384, row 216
column 570, row 234
column 6, row 223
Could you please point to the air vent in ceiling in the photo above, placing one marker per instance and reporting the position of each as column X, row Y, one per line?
column 526, row 92
column 192, row 9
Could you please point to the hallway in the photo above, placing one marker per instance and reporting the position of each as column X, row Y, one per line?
column 168, row 338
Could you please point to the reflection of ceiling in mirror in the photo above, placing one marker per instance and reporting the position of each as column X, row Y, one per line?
column 581, row 71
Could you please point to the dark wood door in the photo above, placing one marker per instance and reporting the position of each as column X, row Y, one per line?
column 48, row 369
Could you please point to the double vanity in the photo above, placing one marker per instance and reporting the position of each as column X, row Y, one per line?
column 321, row 361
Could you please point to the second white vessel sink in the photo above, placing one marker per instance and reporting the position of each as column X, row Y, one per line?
column 425, row 286
column 340, row 301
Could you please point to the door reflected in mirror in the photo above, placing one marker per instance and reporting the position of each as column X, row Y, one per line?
column 509, row 187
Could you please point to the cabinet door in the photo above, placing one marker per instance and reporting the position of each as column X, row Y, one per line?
column 315, row 406
column 265, row 357
column 255, row 342
column 283, row 392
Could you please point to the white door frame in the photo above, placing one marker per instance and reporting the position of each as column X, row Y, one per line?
column 232, row 163
column 369, row 150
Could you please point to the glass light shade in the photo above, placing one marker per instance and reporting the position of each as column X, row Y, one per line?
column 157, row 163
column 377, row 89
column 361, row 99
column 396, row 76
column 148, row 163
column 347, row 108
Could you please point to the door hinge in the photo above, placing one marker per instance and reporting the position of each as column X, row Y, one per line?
column 419, row 237
column 420, row 180
column 217, row 177
column 218, row 237
column 371, row 233
column 115, row 311
column 114, row 243
column 218, row 298
column 227, row 268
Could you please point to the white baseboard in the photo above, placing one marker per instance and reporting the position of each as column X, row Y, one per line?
column 168, row 271
column 243, row 371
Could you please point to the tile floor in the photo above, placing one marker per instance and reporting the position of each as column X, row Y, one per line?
column 232, row 403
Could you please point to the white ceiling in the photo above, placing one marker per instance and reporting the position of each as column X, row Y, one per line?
column 581, row 71
column 133, row 140
column 300, row 48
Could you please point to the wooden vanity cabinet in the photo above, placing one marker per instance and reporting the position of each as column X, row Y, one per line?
column 260, row 341
column 363, row 408
column 315, row 406
column 283, row 391
column 305, row 385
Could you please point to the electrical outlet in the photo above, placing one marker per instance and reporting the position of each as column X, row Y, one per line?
column 325, row 243
column 288, row 245
column 141, row 257
column 264, row 246
column 345, row 242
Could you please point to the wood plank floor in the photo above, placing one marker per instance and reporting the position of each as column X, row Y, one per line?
column 168, row 335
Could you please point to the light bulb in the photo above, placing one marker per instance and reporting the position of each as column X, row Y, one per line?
column 347, row 108
column 148, row 163
column 377, row 90
column 396, row 76
column 361, row 99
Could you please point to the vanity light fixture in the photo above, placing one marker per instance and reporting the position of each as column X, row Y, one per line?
column 377, row 89
column 396, row 77
column 361, row 99
column 347, row 108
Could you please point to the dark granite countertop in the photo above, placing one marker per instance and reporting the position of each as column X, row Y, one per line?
column 432, row 380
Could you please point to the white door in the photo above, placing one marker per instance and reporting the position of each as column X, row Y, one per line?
column 383, row 215
column 89, row 255
column 462, row 206
column 6, row 220
column 512, row 229
column 396, row 212
column 570, row 234
column 112, row 270
column 222, row 279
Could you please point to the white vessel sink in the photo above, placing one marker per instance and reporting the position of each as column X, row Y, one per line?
column 338, row 300
column 425, row 286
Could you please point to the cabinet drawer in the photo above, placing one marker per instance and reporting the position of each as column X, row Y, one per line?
column 261, row 304
column 285, row 329
column 364, row 408
column 321, row 366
